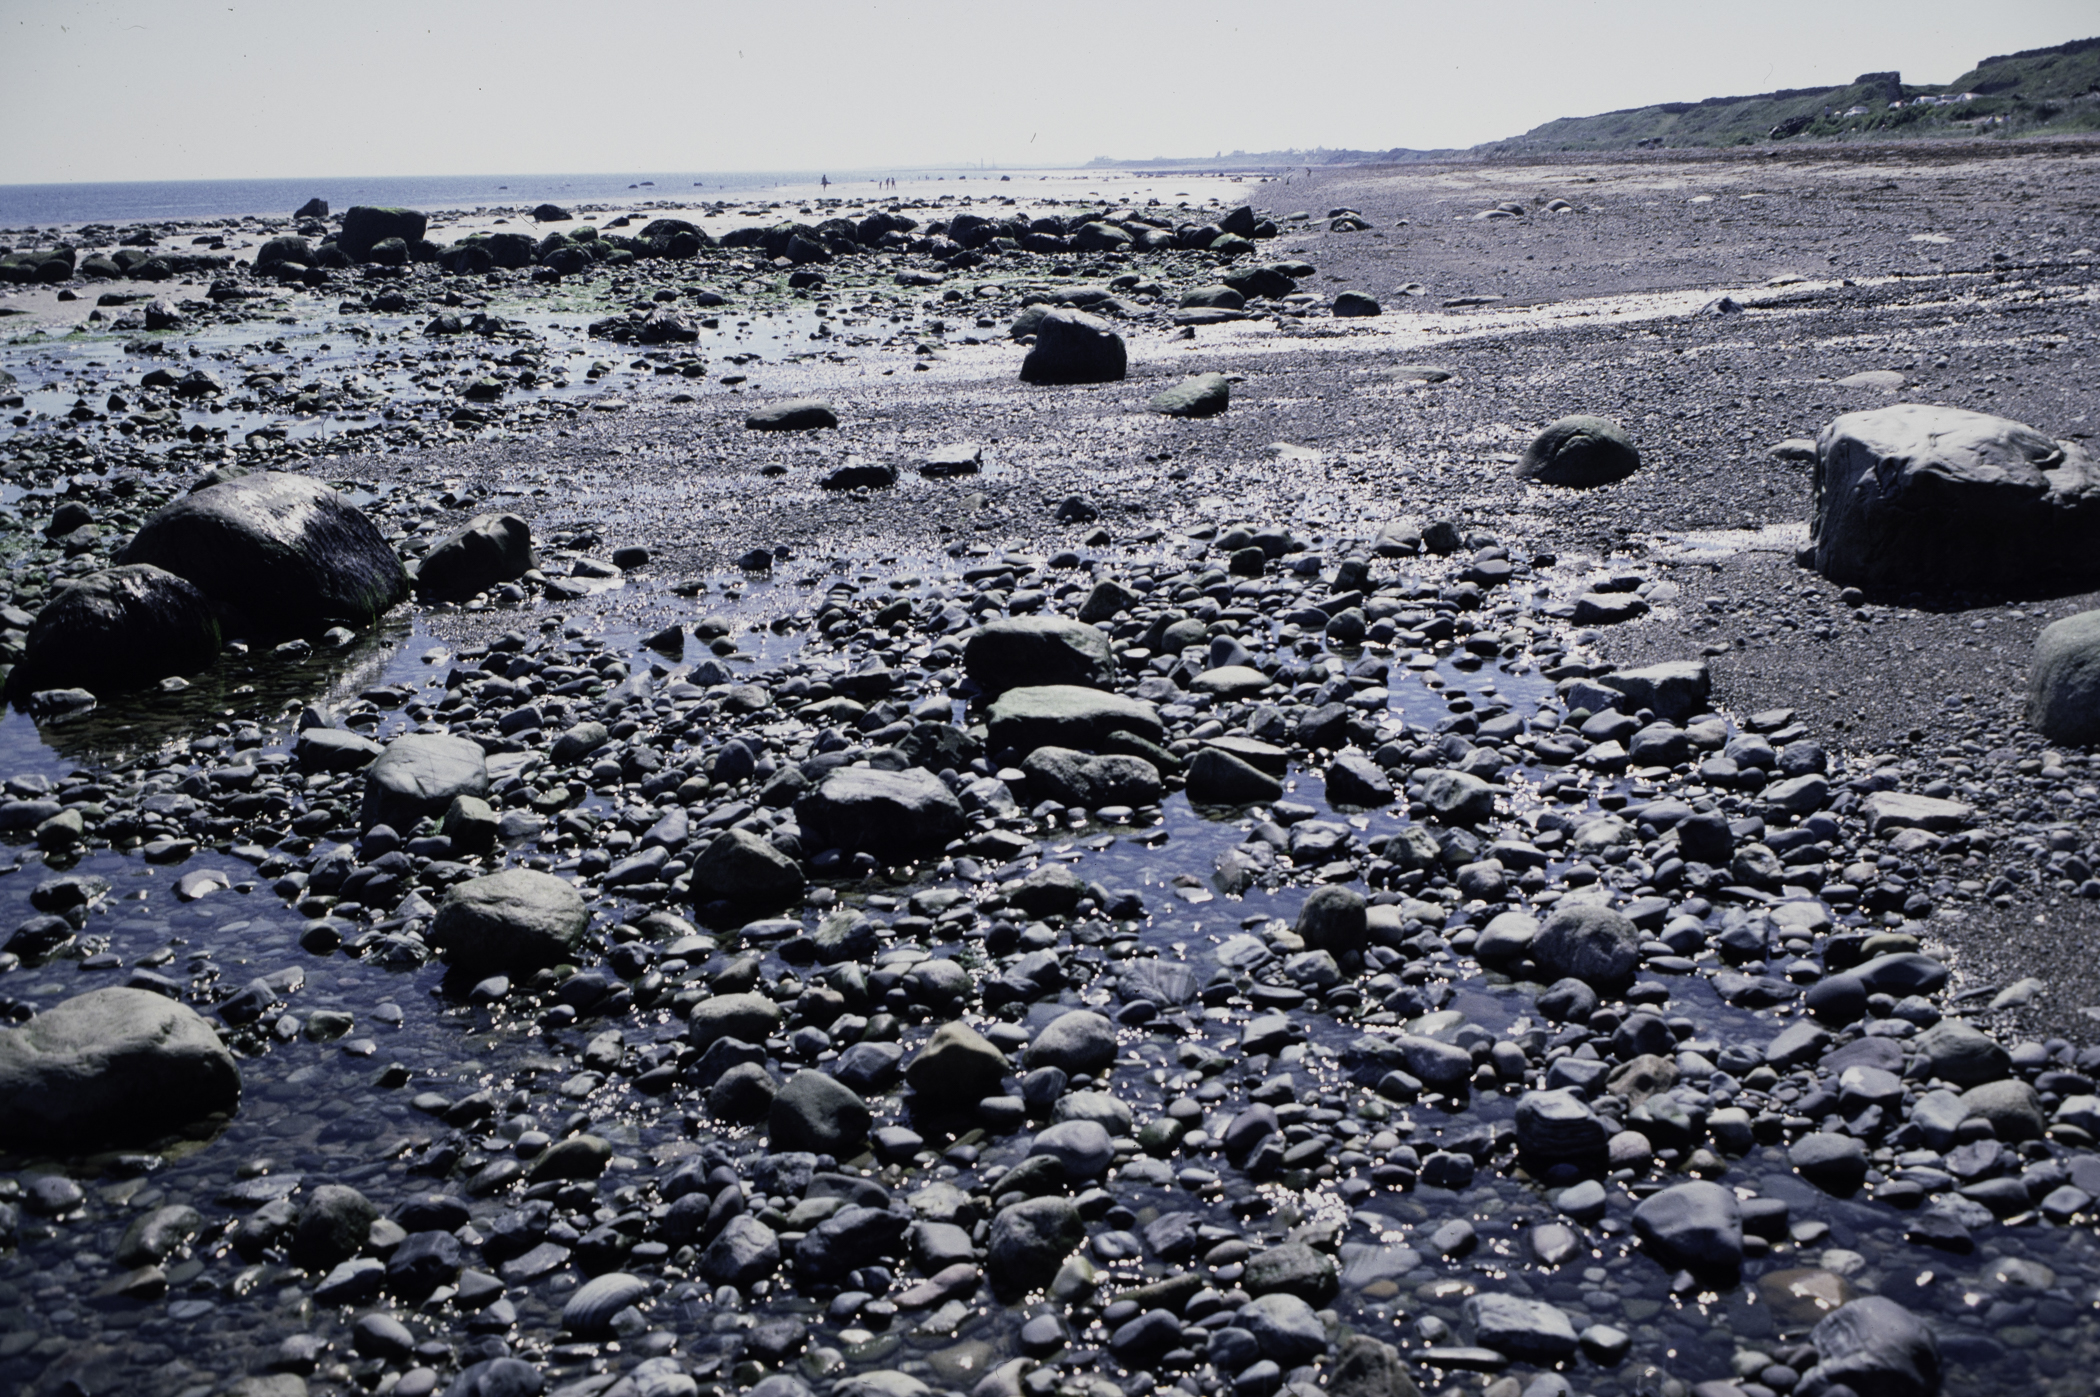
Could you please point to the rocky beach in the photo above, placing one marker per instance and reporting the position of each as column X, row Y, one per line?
column 1465, row 778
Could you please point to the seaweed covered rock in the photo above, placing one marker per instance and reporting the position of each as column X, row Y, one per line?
column 116, row 630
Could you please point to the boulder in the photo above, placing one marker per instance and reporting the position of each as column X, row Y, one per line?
column 1917, row 497
column 1957, row 1051
column 2063, row 683
column 1073, row 347
column 1675, row 689
column 1066, row 715
column 1356, row 303
column 116, row 630
column 1077, row 1041
column 820, row 1114
column 1038, row 650
column 1219, row 778
column 1082, row 1147
column 958, row 1065
column 1595, row 945
column 364, row 228
column 745, row 871
column 1075, row 778
column 1558, row 1126
column 1029, row 1242
column 1205, row 395
column 743, row 1253
column 277, row 555
column 515, row 921
column 421, row 774
column 897, row 816
column 794, row 415
column 491, row 549
column 1877, row 1348
column 109, row 1068
column 1697, row 1225
column 1581, row 452
column 746, row 1018
column 1293, row 1268
column 1458, row 797
column 1285, row 1328
column 1334, row 919
column 1531, row 1331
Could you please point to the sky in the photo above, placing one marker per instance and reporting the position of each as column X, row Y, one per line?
column 170, row 89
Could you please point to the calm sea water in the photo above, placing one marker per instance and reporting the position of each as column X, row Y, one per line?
column 22, row 205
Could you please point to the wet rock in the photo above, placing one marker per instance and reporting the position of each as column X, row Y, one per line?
column 743, row 1253
column 1458, row 798
column 492, row 549
column 1355, row 303
column 1293, row 1268
column 1075, row 1042
column 1834, row 1163
column 1358, row 781
column 1875, row 1346
column 1580, row 451
column 498, row 1377
column 1927, row 498
column 1531, row 1331
column 817, row 1113
column 1089, row 782
column 2011, row 1106
column 747, row 1018
column 1334, row 919
column 115, row 630
column 1029, row 1241
column 1028, row 651
column 1959, row 1052
column 365, row 227
column 1073, row 347
column 744, row 870
column 1559, row 1126
column 2063, row 682
column 333, row 750
column 1062, row 715
column 277, row 555
column 589, row 1312
column 957, row 1064
column 1367, row 1367
column 333, row 1224
column 111, row 1067
column 1592, row 944
column 897, row 816
column 1205, row 395
column 1217, row 777
column 743, row 1095
column 853, row 1237
column 1286, row 1329
column 1696, row 1225
column 1082, row 1147
column 515, row 921
column 420, row 775
column 158, row 1235
column 1675, row 690
column 794, row 415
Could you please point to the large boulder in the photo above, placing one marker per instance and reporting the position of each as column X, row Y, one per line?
column 1581, row 452
column 957, row 1065
column 1926, row 498
column 2063, row 684
column 1066, row 715
column 365, row 227
column 1073, row 347
column 1075, row 1042
column 1037, row 650
column 108, row 1068
column 421, row 774
column 116, row 630
column 1697, row 1225
column 896, row 816
column 515, row 921
column 277, row 554
column 1075, row 778
column 491, row 549
column 1674, row 690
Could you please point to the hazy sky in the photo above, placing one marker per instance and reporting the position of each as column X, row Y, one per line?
column 169, row 89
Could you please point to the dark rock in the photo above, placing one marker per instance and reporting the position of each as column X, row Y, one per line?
column 1351, row 303
column 1592, row 944
column 516, row 920
column 1029, row 1241
column 1925, row 498
column 111, row 1067
column 815, row 1112
column 1698, row 1225
column 1333, row 919
column 897, row 816
column 1217, row 777
column 1205, row 395
column 957, row 1065
column 1035, row 650
column 745, row 871
column 1581, row 452
column 276, row 554
column 1877, row 1348
column 794, row 415
column 1072, row 347
column 491, row 549
column 420, row 775
column 116, row 630
column 333, row 1224
column 2063, row 683
column 364, row 228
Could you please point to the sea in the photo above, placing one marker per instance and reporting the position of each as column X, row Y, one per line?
column 25, row 206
